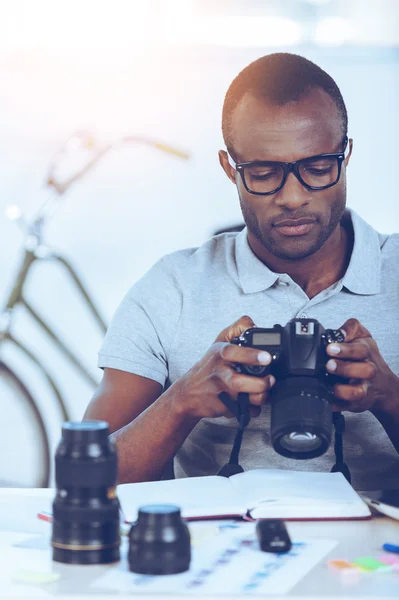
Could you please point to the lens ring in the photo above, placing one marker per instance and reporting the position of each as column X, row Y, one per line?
column 297, row 441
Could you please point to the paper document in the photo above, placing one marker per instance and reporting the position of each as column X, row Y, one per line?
column 266, row 493
column 228, row 564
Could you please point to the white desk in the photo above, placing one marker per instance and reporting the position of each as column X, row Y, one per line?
column 18, row 513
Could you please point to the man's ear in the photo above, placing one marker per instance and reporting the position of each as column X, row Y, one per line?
column 350, row 146
column 226, row 166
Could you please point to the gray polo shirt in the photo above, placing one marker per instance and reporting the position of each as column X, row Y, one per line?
column 171, row 316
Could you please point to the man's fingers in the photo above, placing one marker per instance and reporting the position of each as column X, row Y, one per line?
column 352, row 370
column 351, row 393
column 354, row 351
column 260, row 399
column 236, row 329
column 257, row 387
column 239, row 354
column 254, row 411
column 352, row 328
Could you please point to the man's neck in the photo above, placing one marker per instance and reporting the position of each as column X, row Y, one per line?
column 316, row 272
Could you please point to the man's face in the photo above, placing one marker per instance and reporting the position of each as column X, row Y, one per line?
column 288, row 133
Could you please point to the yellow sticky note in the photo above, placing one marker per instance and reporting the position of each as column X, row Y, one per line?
column 35, row 577
column 202, row 534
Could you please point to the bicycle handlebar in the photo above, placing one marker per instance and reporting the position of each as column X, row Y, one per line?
column 62, row 188
column 84, row 140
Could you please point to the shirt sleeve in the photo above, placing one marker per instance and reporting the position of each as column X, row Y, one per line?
column 141, row 332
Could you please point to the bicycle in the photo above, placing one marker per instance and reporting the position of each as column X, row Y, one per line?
column 17, row 401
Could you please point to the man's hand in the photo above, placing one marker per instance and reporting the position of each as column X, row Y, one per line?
column 198, row 389
column 372, row 385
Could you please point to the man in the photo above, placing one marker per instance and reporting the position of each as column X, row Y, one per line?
column 167, row 355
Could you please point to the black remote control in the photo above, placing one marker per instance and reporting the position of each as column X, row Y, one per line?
column 273, row 536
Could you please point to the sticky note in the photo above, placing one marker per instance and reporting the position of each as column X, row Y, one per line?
column 372, row 564
column 390, row 559
column 346, row 569
column 35, row 577
column 341, row 564
column 198, row 536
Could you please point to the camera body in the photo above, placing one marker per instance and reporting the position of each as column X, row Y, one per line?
column 301, row 414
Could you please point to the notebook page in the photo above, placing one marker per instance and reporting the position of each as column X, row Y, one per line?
column 297, row 494
column 196, row 496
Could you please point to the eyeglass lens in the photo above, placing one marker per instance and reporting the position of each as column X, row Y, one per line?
column 267, row 177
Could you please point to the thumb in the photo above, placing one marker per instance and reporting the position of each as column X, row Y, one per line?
column 236, row 329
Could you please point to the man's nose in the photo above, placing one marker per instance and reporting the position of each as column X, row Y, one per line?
column 293, row 194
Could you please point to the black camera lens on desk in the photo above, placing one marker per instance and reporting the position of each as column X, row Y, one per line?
column 86, row 509
column 159, row 541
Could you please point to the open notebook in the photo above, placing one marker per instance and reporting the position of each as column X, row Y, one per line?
column 265, row 493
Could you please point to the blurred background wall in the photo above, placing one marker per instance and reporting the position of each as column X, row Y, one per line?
column 160, row 68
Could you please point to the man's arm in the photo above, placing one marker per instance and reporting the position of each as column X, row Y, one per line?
column 149, row 427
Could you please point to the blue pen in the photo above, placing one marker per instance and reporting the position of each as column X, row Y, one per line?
column 391, row 548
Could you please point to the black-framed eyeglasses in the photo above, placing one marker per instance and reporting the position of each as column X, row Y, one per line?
column 268, row 177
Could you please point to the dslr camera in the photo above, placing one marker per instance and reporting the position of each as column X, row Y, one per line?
column 301, row 399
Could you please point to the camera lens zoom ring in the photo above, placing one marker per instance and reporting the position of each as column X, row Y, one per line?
column 85, row 514
column 85, row 474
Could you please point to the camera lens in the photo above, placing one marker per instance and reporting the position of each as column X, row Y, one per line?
column 159, row 542
column 301, row 417
column 297, row 441
column 85, row 509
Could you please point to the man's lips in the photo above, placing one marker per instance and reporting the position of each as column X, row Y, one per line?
column 295, row 226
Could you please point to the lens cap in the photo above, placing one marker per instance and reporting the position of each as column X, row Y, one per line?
column 159, row 541
column 85, row 432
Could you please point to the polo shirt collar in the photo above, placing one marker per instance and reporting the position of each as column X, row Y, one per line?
column 363, row 275
column 253, row 274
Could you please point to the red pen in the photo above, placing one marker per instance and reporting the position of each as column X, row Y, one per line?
column 45, row 516
column 48, row 517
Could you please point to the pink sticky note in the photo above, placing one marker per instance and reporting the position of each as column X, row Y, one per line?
column 390, row 559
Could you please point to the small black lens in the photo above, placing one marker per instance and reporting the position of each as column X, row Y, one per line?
column 159, row 542
column 85, row 509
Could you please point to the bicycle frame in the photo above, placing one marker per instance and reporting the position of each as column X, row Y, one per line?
column 17, row 297
column 33, row 251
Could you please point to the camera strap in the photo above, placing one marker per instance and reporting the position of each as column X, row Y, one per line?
column 340, row 465
column 240, row 409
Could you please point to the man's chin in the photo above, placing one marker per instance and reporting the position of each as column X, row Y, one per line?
column 294, row 255
column 293, row 249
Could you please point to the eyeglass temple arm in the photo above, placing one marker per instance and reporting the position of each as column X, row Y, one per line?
column 345, row 142
column 232, row 162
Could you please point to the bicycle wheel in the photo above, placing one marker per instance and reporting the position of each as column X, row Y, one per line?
column 24, row 446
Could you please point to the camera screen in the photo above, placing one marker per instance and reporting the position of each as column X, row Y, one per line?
column 266, row 339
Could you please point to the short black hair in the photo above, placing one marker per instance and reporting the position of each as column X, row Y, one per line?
column 279, row 78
